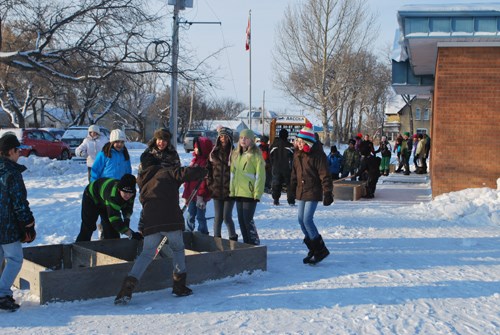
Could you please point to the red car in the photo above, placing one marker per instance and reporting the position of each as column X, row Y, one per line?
column 39, row 142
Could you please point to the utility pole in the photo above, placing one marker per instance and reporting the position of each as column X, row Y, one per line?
column 191, row 107
column 263, row 111
column 173, row 84
column 178, row 5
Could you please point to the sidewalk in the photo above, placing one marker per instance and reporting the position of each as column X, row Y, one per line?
column 398, row 188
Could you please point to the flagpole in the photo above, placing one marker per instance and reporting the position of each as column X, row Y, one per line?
column 249, row 36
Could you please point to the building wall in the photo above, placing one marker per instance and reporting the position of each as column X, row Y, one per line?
column 466, row 119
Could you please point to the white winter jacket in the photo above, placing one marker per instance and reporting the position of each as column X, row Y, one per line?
column 90, row 148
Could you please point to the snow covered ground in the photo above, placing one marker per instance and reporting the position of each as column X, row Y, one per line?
column 399, row 264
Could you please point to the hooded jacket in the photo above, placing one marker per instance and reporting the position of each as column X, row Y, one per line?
column 310, row 176
column 248, row 174
column 110, row 167
column 90, row 147
column 205, row 146
column 219, row 174
column 15, row 212
column 159, row 196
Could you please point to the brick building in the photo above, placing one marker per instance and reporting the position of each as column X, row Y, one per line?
column 452, row 53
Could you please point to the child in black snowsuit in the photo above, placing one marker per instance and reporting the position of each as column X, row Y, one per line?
column 369, row 171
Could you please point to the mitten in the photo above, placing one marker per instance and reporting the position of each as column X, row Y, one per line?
column 327, row 199
column 200, row 203
column 136, row 236
column 29, row 234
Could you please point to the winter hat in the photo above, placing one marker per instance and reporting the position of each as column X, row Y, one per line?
column 117, row 135
column 225, row 131
column 360, row 135
column 415, row 135
column 248, row 133
column 95, row 128
column 333, row 149
column 407, row 133
column 162, row 134
column 127, row 183
column 351, row 141
column 283, row 133
column 264, row 139
column 307, row 134
column 8, row 141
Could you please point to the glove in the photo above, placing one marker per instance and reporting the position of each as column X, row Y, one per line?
column 29, row 234
column 136, row 236
column 327, row 199
column 200, row 203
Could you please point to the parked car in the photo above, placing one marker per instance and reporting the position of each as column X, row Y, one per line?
column 39, row 142
column 191, row 134
column 57, row 132
column 74, row 136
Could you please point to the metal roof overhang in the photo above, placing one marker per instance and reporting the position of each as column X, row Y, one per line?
column 415, row 75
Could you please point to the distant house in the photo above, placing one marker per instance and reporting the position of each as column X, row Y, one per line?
column 259, row 123
column 52, row 117
column 235, row 125
column 399, row 122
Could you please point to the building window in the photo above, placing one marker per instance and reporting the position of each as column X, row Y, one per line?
column 417, row 113
column 426, row 114
column 422, row 131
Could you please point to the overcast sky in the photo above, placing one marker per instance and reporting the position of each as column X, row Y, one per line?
column 233, row 63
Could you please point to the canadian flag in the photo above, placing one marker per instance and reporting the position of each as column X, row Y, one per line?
column 247, row 43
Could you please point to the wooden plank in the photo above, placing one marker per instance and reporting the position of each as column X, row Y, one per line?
column 94, row 274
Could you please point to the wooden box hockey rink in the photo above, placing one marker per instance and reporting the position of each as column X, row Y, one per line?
column 96, row 269
column 348, row 190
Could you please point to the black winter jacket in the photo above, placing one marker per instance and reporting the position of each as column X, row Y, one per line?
column 159, row 196
column 281, row 156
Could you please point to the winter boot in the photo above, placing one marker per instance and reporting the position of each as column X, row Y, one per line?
column 233, row 238
column 179, row 288
column 8, row 303
column 276, row 202
column 310, row 254
column 125, row 293
column 320, row 250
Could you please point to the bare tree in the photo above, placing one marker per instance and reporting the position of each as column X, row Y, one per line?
column 312, row 44
column 107, row 36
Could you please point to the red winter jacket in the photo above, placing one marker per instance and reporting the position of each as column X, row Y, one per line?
column 204, row 145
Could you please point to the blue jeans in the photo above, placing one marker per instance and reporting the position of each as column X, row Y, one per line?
column 175, row 242
column 306, row 211
column 198, row 214
column 13, row 255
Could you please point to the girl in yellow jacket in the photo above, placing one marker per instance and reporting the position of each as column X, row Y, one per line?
column 248, row 177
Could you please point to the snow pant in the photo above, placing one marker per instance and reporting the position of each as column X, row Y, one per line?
column 305, row 215
column 405, row 161
column 198, row 214
column 246, row 210
column 371, row 185
column 384, row 164
column 12, row 253
column 175, row 242
column 223, row 211
column 90, row 213
column 280, row 178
